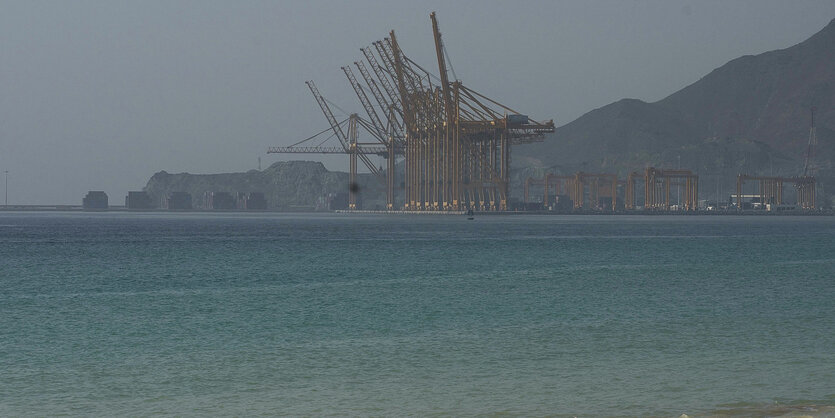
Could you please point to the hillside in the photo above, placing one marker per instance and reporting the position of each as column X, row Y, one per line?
column 290, row 185
column 749, row 115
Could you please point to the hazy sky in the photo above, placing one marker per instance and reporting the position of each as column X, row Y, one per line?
column 99, row 95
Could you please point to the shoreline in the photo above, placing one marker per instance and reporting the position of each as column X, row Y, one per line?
column 122, row 209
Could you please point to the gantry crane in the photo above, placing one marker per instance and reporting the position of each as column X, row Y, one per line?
column 458, row 141
column 455, row 141
column 770, row 190
column 560, row 184
column 657, row 184
column 349, row 145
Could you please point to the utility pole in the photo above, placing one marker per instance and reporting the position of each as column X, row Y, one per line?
column 808, row 166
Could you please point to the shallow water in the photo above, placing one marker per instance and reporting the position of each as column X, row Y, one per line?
column 187, row 314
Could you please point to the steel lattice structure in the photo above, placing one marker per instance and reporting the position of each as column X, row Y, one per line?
column 598, row 185
column 771, row 189
column 455, row 142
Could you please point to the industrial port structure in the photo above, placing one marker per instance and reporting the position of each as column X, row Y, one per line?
column 770, row 190
column 455, row 142
column 601, row 191
column 657, row 186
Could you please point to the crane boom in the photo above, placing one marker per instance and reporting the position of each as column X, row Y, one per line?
column 372, row 85
column 384, row 77
column 337, row 130
column 411, row 75
column 385, row 58
column 348, row 146
column 401, row 82
column 381, row 100
column 379, row 129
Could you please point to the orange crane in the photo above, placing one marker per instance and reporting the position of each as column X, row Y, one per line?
column 349, row 145
column 770, row 190
column 454, row 140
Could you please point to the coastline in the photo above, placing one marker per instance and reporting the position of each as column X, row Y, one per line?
column 79, row 208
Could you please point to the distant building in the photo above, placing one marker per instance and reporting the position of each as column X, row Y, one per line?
column 178, row 201
column 95, row 200
column 219, row 201
column 138, row 200
column 251, row 201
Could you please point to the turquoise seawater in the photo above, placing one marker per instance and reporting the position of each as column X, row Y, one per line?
column 193, row 314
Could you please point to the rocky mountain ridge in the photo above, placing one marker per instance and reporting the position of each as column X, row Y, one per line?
column 750, row 115
column 287, row 185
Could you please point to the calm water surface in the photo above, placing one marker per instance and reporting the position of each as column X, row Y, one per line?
column 192, row 314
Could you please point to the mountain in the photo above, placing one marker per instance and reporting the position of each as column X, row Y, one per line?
column 750, row 115
column 289, row 185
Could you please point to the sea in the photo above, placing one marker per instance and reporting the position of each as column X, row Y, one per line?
column 233, row 314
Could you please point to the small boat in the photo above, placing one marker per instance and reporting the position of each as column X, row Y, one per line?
column 470, row 215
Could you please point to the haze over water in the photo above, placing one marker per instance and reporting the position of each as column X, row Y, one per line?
column 134, row 314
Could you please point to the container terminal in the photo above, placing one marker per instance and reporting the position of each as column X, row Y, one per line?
column 451, row 146
column 448, row 148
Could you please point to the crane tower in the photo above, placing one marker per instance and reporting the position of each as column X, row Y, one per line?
column 454, row 141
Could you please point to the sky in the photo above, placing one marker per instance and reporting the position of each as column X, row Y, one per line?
column 100, row 95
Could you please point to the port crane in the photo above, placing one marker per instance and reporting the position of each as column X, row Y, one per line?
column 454, row 141
column 349, row 144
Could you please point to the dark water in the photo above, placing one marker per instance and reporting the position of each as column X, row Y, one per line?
column 185, row 314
